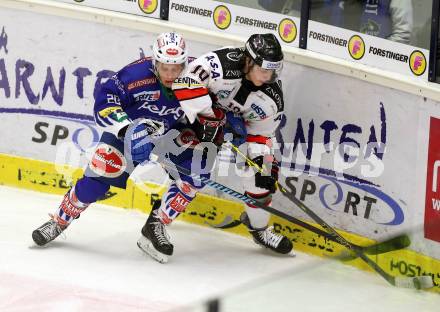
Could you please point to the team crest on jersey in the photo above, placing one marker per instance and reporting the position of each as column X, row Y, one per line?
column 223, row 94
column 147, row 96
column 108, row 161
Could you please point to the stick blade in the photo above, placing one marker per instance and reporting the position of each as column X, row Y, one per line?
column 392, row 244
column 396, row 243
column 417, row 282
column 227, row 223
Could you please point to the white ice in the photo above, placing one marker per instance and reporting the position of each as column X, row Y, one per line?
column 98, row 267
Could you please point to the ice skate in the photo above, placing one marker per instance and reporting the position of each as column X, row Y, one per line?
column 47, row 232
column 266, row 237
column 155, row 240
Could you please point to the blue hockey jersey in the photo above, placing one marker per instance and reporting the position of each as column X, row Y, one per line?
column 135, row 92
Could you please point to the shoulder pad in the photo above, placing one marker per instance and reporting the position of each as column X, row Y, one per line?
column 140, row 61
column 275, row 92
column 139, row 70
column 231, row 62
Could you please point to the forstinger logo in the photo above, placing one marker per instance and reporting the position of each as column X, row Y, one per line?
column 222, row 17
column 417, row 63
column 356, row 47
column 148, row 6
column 287, row 30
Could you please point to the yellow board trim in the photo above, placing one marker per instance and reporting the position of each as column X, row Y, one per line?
column 47, row 177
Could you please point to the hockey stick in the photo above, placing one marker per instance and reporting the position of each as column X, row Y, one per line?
column 395, row 243
column 392, row 244
column 417, row 282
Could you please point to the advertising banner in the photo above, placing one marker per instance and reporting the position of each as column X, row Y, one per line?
column 354, row 153
column 49, row 79
column 149, row 8
column 233, row 19
column 348, row 149
column 367, row 49
column 342, row 146
column 432, row 204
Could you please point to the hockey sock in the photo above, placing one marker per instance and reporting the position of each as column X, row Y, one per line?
column 258, row 217
column 175, row 200
column 85, row 192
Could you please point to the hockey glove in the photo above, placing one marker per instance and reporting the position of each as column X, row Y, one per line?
column 235, row 126
column 210, row 129
column 266, row 180
column 187, row 136
column 141, row 145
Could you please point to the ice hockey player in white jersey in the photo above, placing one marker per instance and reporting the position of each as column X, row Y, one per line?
column 243, row 82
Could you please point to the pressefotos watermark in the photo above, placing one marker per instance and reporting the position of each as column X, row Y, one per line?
column 202, row 159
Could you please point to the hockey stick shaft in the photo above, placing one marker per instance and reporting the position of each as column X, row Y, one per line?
column 404, row 282
column 414, row 282
column 394, row 243
column 248, row 200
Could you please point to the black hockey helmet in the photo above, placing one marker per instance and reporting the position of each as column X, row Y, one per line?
column 265, row 51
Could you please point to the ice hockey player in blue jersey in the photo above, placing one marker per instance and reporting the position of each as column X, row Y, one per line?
column 137, row 102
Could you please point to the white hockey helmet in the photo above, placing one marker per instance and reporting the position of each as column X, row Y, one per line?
column 170, row 48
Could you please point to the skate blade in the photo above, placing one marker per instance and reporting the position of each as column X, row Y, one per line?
column 146, row 246
column 291, row 253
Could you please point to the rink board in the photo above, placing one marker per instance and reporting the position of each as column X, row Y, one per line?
column 207, row 210
column 49, row 77
column 48, row 93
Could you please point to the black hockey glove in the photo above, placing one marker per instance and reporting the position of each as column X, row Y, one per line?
column 210, row 129
column 267, row 180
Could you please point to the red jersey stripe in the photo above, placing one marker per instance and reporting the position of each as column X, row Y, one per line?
column 187, row 94
column 259, row 139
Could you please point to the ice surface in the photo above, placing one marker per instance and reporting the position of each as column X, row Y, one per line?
column 98, row 267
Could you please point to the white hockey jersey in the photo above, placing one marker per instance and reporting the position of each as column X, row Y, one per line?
column 216, row 78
